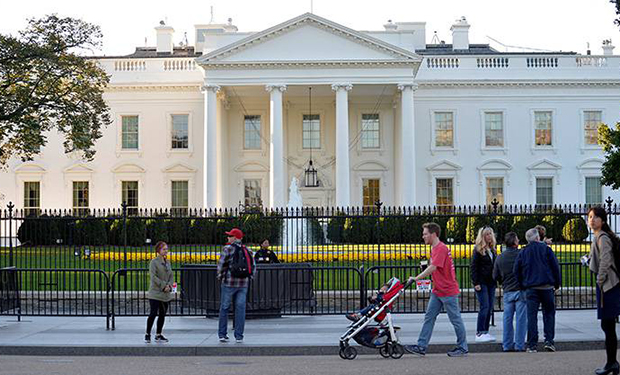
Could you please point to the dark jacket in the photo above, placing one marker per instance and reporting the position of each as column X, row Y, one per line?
column 503, row 269
column 481, row 268
column 263, row 256
column 536, row 265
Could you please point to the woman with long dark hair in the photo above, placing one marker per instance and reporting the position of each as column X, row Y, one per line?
column 160, row 292
column 607, row 284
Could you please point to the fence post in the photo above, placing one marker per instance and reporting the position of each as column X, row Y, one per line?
column 493, row 216
column 11, row 206
column 378, row 204
column 609, row 201
column 124, row 206
column 362, row 287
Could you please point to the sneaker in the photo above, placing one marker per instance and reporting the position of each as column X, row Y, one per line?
column 491, row 337
column 484, row 337
column 353, row 317
column 160, row 338
column 532, row 350
column 549, row 347
column 224, row 339
column 415, row 349
column 239, row 341
column 457, row 352
column 147, row 338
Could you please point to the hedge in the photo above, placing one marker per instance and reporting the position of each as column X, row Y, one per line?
column 575, row 230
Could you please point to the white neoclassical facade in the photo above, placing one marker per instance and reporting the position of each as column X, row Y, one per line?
column 382, row 115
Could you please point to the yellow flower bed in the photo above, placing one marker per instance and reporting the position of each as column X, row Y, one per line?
column 329, row 253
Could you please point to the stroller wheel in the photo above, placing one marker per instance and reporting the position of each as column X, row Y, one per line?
column 385, row 351
column 397, row 350
column 350, row 352
column 341, row 354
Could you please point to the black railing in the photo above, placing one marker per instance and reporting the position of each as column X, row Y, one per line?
column 348, row 252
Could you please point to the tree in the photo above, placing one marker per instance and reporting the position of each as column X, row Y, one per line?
column 617, row 20
column 610, row 141
column 45, row 85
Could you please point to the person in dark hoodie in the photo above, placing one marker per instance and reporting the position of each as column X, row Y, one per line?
column 538, row 272
column 514, row 297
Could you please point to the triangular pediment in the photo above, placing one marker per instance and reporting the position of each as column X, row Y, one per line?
column 78, row 168
column 308, row 38
column 179, row 168
column 251, row 166
column 544, row 164
column 593, row 163
column 30, row 168
column 495, row 164
column 128, row 168
column 444, row 165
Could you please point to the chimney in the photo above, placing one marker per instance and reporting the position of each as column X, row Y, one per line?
column 608, row 48
column 164, row 38
column 390, row 26
column 460, row 34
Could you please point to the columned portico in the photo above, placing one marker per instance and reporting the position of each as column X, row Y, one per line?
column 276, row 150
column 343, row 180
column 407, row 146
column 210, row 144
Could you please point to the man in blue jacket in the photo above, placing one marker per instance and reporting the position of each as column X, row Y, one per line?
column 538, row 273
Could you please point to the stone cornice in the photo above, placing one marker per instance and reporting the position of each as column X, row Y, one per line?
column 146, row 87
column 516, row 84
column 309, row 64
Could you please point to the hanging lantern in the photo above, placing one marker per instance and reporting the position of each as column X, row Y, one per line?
column 311, row 176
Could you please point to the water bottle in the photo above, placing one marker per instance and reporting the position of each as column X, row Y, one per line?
column 174, row 287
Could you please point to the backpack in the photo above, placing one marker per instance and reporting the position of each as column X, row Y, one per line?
column 241, row 265
column 615, row 241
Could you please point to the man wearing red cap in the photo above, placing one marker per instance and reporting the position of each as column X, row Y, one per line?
column 233, row 287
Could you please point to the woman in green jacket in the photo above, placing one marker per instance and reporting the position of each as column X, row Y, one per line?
column 160, row 291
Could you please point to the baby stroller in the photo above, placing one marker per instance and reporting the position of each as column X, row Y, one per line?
column 376, row 329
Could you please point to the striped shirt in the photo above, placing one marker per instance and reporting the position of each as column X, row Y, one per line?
column 223, row 265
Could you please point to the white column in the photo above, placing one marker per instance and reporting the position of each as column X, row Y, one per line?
column 277, row 183
column 343, row 179
column 407, row 146
column 210, row 145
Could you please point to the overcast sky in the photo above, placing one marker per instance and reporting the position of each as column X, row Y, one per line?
column 566, row 25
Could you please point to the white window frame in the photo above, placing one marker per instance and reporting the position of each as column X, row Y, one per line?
column 548, row 169
column 30, row 172
column 79, row 171
column 591, row 168
column 73, row 208
column 360, row 127
column 455, row 144
column 483, row 147
column 128, row 171
column 554, row 131
column 362, row 188
column 253, row 170
column 190, row 134
column 553, row 190
column 582, row 130
column 444, row 169
column 180, row 172
column 260, row 185
column 490, row 169
column 119, row 134
column 140, row 190
column 260, row 132
column 23, row 191
column 585, row 187
column 189, row 183
column 300, row 136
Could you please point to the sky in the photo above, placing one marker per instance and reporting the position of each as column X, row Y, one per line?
column 558, row 25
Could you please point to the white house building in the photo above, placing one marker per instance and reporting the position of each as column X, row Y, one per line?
column 391, row 118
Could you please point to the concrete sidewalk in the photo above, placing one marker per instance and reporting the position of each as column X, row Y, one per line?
column 294, row 335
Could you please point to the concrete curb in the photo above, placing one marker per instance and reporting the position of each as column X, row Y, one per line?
column 163, row 350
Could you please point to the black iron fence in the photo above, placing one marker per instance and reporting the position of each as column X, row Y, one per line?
column 331, row 257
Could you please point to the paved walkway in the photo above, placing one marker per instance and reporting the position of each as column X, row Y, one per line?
column 294, row 335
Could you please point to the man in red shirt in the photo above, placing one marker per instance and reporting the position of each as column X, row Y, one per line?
column 445, row 293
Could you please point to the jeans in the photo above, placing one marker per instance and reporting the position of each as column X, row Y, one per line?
column 486, row 298
column 158, row 309
column 514, row 302
column 226, row 296
column 451, row 304
column 536, row 297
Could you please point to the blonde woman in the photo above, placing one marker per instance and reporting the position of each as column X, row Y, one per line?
column 481, row 269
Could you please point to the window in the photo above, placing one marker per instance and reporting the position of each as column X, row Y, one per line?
column 130, row 196
column 180, row 197
column 544, row 191
column 371, row 192
column 252, row 133
column 494, row 129
column 591, row 121
column 252, row 193
column 130, row 133
column 543, row 128
column 370, row 130
column 180, row 132
column 32, row 198
column 80, row 197
column 495, row 189
column 594, row 191
column 444, row 129
column 444, row 193
column 311, row 131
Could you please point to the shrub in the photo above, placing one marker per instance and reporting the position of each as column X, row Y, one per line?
column 522, row 223
column 391, row 229
column 575, row 230
column 554, row 224
column 335, row 228
column 474, row 223
column 456, row 228
column 90, row 231
column 42, row 230
column 178, row 230
column 156, row 230
column 359, row 229
column 136, row 232
column 412, row 228
column 203, row 231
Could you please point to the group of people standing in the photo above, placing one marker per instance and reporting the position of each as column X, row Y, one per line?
column 529, row 278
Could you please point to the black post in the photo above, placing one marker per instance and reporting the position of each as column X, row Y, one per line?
column 124, row 206
column 11, row 206
column 494, row 203
column 609, row 201
column 378, row 204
